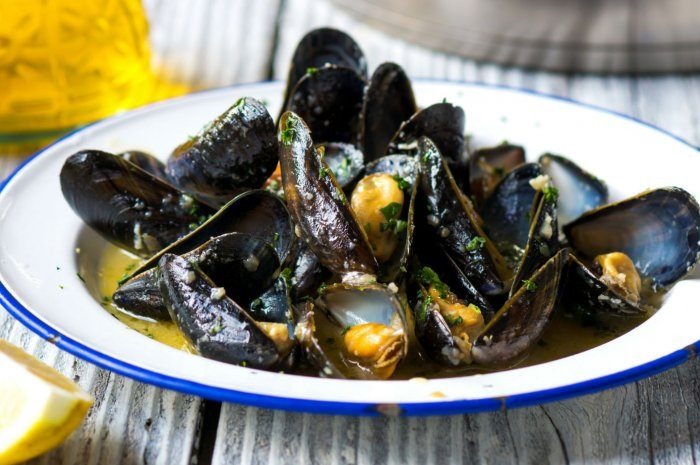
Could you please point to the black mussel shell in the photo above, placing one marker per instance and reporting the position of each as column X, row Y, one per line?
column 388, row 102
column 405, row 166
column 520, row 323
column 242, row 264
column 234, row 153
column 146, row 162
column 658, row 229
column 321, row 47
column 451, row 223
column 307, row 272
column 126, row 205
column 579, row 190
column 487, row 166
column 329, row 101
column 344, row 160
column 443, row 123
column 507, row 212
column 216, row 326
column 257, row 212
column 318, row 205
column 543, row 240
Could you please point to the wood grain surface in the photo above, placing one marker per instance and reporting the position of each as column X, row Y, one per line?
column 219, row 42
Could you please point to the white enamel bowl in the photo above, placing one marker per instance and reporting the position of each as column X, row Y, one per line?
column 39, row 233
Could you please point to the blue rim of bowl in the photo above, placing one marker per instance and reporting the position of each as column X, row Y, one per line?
column 46, row 331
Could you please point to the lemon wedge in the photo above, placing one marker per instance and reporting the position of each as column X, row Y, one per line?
column 39, row 407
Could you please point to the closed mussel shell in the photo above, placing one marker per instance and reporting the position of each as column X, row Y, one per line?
column 127, row 205
column 450, row 221
column 318, row 205
column 234, row 153
column 320, row 47
column 243, row 264
column 388, row 102
column 329, row 100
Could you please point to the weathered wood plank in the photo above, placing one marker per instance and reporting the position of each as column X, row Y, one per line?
column 657, row 419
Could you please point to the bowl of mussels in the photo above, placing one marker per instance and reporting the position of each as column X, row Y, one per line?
column 351, row 241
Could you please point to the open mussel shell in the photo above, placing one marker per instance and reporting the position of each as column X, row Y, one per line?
column 388, row 102
column 320, row 47
column 318, row 205
column 215, row 325
column 579, row 190
column 329, row 100
column 586, row 295
column 443, row 123
column 658, row 229
column 520, row 322
column 234, row 153
column 326, row 330
column 257, row 212
column 242, row 264
column 146, row 162
column 487, row 166
column 507, row 212
column 344, row 160
column 543, row 240
column 451, row 222
column 127, row 205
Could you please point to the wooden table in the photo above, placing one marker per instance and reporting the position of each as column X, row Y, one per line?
column 218, row 42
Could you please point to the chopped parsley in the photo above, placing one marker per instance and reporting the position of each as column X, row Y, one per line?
column 499, row 171
column 402, row 183
column 218, row 326
column 452, row 323
column 428, row 277
column 323, row 171
column 288, row 133
column 422, row 311
column 239, row 103
column 257, row 304
column 275, row 237
column 529, row 285
column 476, row 243
column 286, row 274
column 311, row 70
column 322, row 289
column 551, row 194
column 391, row 214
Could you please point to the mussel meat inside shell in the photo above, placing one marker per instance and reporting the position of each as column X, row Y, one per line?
column 355, row 332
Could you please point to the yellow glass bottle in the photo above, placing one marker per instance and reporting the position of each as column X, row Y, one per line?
column 64, row 63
